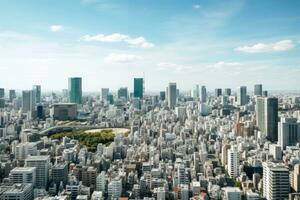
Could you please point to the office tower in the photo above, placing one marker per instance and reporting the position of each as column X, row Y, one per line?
column 104, row 93
column 232, row 193
column 23, row 150
column 28, row 102
column 267, row 117
column 40, row 111
column 64, row 111
column 41, row 163
column 123, row 93
column 233, row 160
column 275, row 151
column 258, row 90
column 296, row 178
column 101, row 182
column 203, row 97
column 181, row 174
column 275, row 181
column 218, row 92
column 227, row 92
column 2, row 93
column 138, row 88
column 75, row 90
column 23, row 175
column 172, row 95
column 12, row 95
column 195, row 91
column 160, row 193
column 16, row 191
column 59, row 173
column 115, row 188
column 110, row 98
column 38, row 93
column 89, row 177
column 242, row 96
column 162, row 95
column 288, row 132
column 265, row 93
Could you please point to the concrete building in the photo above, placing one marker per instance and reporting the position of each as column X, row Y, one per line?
column 232, row 193
column 233, row 161
column 64, row 111
column 23, row 175
column 288, row 132
column 41, row 163
column 16, row 191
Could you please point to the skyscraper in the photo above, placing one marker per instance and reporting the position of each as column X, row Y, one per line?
column 138, row 91
column 104, row 93
column 195, row 91
column 162, row 95
column 37, row 90
column 2, row 93
column 12, row 95
column 275, row 181
column 172, row 95
column 28, row 101
column 267, row 117
column 227, row 91
column 75, row 90
column 218, row 92
column 242, row 96
column 288, row 132
column 123, row 93
column 42, row 169
column 203, row 94
column 233, row 162
column 258, row 90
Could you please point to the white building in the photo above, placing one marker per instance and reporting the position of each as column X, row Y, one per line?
column 276, row 184
column 101, row 182
column 233, row 161
column 115, row 188
column 41, row 163
column 23, row 175
column 232, row 193
column 16, row 191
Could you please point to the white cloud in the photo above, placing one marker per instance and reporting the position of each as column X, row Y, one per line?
column 196, row 6
column 56, row 28
column 222, row 65
column 140, row 42
column 282, row 45
column 121, row 58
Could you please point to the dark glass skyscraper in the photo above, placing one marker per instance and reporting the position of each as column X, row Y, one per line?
column 258, row 91
column 75, row 90
column 138, row 88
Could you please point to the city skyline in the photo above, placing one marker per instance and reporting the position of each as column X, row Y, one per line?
column 108, row 43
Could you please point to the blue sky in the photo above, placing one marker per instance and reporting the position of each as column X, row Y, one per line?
column 108, row 42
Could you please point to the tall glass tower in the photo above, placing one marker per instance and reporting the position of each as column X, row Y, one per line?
column 138, row 88
column 37, row 89
column 75, row 90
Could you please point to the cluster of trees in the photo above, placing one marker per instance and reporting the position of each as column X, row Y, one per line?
column 90, row 140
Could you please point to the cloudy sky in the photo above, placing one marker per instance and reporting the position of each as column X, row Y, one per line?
column 215, row 43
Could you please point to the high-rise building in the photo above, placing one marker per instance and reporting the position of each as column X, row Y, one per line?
column 181, row 174
column 276, row 183
column 123, row 93
column 104, row 93
column 288, row 132
column 265, row 93
column 115, row 188
column 258, row 90
column 267, row 117
column 233, row 161
column 195, row 91
column 28, row 102
column 2, row 93
column 227, row 91
column 138, row 88
column 218, row 92
column 12, row 95
column 75, row 90
column 16, row 191
column 172, row 95
column 23, row 175
column 89, row 177
column 162, row 95
column 203, row 96
column 242, row 96
column 38, row 93
column 296, row 178
column 101, row 182
column 59, row 173
column 41, row 163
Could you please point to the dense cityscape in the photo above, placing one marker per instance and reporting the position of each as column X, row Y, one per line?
column 203, row 144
